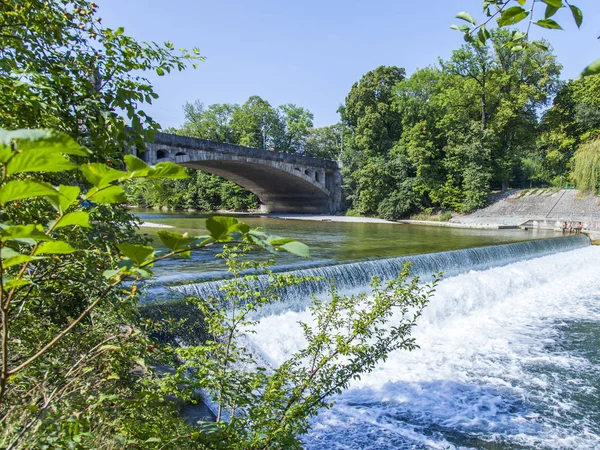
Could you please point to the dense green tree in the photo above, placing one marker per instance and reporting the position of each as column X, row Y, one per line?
column 465, row 128
column 212, row 122
column 297, row 123
column 325, row 142
column 369, row 110
column 572, row 120
column 257, row 124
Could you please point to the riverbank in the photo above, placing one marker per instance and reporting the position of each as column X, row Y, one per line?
column 353, row 219
column 329, row 218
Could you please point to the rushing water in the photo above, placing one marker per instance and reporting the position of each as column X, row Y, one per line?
column 356, row 276
column 509, row 353
column 509, row 359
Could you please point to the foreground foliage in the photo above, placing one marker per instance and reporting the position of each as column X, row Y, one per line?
column 77, row 360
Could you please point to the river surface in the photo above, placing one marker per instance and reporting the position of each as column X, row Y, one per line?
column 329, row 242
column 509, row 353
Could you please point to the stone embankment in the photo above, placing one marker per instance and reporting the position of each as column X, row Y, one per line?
column 537, row 208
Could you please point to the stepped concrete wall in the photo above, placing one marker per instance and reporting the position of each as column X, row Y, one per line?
column 543, row 208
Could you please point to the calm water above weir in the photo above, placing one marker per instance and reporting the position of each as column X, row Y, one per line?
column 331, row 241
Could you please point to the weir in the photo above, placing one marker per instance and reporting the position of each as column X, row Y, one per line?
column 356, row 276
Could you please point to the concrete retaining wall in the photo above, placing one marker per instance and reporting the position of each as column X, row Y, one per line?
column 539, row 208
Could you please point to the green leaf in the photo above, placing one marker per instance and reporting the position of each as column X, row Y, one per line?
column 111, row 273
column 100, row 175
column 54, row 248
column 555, row 3
column 10, row 283
column 168, row 170
column 43, row 141
column 136, row 253
column 78, row 218
column 16, row 260
column 548, row 23
column 176, row 241
column 577, row 15
column 297, row 248
column 540, row 45
column 512, row 16
column 68, row 196
column 38, row 162
column 550, row 11
column 25, row 233
column 522, row 2
column 461, row 28
column 592, row 69
column 5, row 153
column 136, row 167
column 108, row 195
column 21, row 189
column 463, row 15
column 221, row 227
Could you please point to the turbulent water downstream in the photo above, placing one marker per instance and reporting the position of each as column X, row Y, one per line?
column 509, row 352
column 509, row 359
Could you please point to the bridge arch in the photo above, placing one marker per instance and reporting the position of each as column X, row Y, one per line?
column 282, row 182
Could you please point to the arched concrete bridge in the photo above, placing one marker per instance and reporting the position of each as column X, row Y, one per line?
column 282, row 182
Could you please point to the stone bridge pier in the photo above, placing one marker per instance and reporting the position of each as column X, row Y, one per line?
column 283, row 182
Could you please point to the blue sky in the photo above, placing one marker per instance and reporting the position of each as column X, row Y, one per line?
column 310, row 52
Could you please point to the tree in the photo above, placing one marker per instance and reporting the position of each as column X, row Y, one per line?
column 257, row 124
column 325, row 142
column 297, row 123
column 212, row 123
column 587, row 167
column 369, row 110
column 59, row 68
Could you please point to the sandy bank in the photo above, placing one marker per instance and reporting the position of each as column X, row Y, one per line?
column 326, row 218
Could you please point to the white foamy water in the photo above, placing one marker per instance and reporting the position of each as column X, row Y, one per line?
column 509, row 359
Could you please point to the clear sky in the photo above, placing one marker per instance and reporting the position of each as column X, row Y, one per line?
column 310, row 52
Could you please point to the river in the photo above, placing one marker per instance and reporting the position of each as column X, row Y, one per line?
column 509, row 353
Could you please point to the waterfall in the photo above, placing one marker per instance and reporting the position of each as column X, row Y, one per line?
column 356, row 276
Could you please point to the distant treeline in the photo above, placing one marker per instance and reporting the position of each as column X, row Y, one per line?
column 488, row 118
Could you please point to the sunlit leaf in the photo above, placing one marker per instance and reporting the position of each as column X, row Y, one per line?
column 109, row 195
column 77, row 218
column 577, row 15
column 297, row 248
column 550, row 11
column 136, row 167
column 220, row 227
column 54, row 248
column 43, row 141
column 168, row 170
column 548, row 23
column 22, row 189
column 100, row 175
column 592, row 69
column 16, row 260
column 26, row 233
column 463, row 15
column 555, row 3
column 512, row 15
column 136, row 253
column 38, row 162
